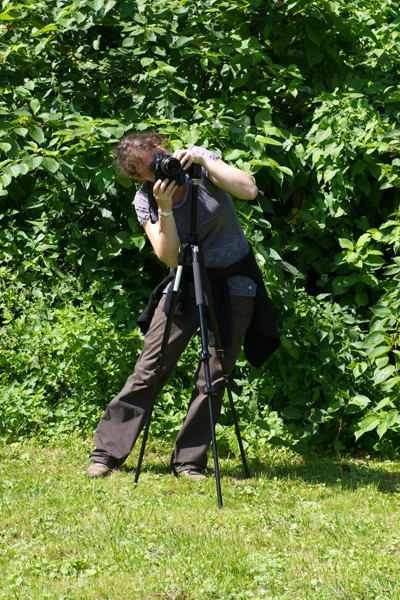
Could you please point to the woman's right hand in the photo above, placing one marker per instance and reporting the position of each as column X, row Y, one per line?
column 163, row 191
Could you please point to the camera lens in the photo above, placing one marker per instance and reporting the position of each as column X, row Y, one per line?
column 170, row 166
column 167, row 166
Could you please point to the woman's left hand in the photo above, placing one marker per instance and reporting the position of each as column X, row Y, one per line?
column 187, row 158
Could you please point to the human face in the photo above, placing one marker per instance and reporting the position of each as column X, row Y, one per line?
column 148, row 157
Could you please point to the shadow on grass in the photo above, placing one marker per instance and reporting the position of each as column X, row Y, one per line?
column 350, row 474
column 148, row 467
column 332, row 471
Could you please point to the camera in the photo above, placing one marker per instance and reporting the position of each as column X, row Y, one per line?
column 166, row 166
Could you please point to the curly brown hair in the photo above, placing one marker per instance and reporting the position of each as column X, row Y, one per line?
column 128, row 151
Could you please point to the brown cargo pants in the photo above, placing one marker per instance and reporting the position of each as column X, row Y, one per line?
column 125, row 416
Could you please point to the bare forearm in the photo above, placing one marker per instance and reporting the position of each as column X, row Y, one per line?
column 164, row 238
column 233, row 180
column 238, row 183
column 168, row 241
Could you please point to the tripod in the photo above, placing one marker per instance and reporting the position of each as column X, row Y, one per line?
column 190, row 254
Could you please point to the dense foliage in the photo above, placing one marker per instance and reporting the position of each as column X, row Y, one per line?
column 304, row 95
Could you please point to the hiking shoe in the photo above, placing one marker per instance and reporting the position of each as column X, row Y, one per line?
column 97, row 469
column 193, row 473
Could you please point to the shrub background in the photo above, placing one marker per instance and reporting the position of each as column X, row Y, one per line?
column 305, row 96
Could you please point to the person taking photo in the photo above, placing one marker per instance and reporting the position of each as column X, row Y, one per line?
column 242, row 307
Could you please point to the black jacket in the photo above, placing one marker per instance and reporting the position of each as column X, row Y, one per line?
column 262, row 337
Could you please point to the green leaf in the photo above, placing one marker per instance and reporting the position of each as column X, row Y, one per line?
column 322, row 135
column 382, row 429
column 369, row 279
column 22, row 131
column 374, row 261
column 315, row 30
column 269, row 162
column 374, row 338
column 36, row 133
column 379, row 351
column 345, row 243
column 146, row 61
column 393, row 417
column 35, row 105
column 163, row 66
column 233, row 154
column 183, row 41
column 335, row 406
column 329, row 174
column 263, row 119
column 382, row 404
column 5, row 16
column 382, row 375
column 269, row 140
column 363, row 240
column 361, row 401
column 359, row 369
column 381, row 311
column 44, row 30
column 341, row 285
column 50, row 164
column 5, row 179
column 291, row 412
column 292, row 269
column 368, row 423
column 33, row 161
column 109, row 6
column 290, row 347
column 122, row 237
column 139, row 241
column 14, row 169
column 97, row 4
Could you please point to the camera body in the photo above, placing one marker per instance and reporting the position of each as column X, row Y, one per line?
column 168, row 167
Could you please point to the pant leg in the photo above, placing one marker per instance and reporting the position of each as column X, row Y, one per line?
column 126, row 414
column 194, row 438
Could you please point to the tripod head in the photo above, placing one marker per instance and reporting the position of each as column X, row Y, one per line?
column 195, row 174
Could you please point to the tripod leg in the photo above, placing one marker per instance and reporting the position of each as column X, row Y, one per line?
column 159, row 368
column 205, row 358
column 220, row 354
column 237, row 431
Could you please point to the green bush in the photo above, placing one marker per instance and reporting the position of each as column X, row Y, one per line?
column 60, row 363
column 305, row 96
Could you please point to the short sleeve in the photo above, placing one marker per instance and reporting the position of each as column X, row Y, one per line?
column 142, row 205
column 205, row 152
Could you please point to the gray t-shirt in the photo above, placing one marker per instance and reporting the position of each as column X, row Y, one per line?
column 219, row 231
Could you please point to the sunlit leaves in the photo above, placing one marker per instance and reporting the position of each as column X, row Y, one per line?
column 303, row 95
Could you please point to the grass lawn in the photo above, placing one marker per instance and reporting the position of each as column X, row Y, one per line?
column 298, row 529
